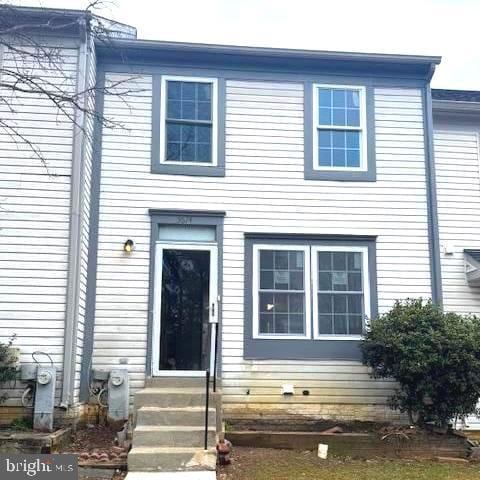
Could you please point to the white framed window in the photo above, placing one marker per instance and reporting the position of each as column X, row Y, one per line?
column 281, row 291
column 188, row 121
column 341, row 291
column 340, row 128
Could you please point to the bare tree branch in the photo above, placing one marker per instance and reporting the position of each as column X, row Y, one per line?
column 36, row 71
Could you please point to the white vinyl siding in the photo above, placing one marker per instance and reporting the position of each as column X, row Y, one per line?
column 264, row 191
column 34, row 218
column 458, row 193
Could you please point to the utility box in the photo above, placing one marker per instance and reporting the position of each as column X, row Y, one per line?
column 44, row 399
column 118, row 395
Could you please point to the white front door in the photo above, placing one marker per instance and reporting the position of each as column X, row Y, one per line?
column 184, row 308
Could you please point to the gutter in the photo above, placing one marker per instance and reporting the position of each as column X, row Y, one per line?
column 76, row 221
column 270, row 52
column 432, row 211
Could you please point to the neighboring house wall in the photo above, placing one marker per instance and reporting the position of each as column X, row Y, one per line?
column 34, row 216
column 458, row 191
column 263, row 190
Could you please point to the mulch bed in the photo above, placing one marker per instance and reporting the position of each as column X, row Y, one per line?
column 97, row 445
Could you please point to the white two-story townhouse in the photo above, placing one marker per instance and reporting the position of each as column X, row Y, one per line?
column 283, row 195
column 252, row 210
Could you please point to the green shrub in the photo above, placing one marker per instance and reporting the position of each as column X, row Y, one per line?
column 8, row 364
column 434, row 356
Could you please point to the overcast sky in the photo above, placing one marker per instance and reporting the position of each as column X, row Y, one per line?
column 449, row 28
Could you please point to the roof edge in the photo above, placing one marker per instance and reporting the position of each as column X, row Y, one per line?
column 277, row 52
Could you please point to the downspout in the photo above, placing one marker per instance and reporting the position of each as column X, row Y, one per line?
column 431, row 183
column 76, row 220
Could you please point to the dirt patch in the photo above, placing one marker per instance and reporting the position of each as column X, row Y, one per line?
column 272, row 464
column 96, row 444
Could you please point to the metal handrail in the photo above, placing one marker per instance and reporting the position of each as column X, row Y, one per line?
column 207, row 381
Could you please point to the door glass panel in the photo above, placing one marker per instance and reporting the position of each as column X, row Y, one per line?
column 184, row 339
column 190, row 233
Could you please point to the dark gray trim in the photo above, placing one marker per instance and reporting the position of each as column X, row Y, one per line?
column 177, row 217
column 280, row 349
column 178, row 169
column 229, row 72
column 93, row 241
column 268, row 59
column 349, row 176
column 433, row 234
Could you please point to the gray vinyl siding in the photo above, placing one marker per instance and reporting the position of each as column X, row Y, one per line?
column 264, row 190
column 34, row 219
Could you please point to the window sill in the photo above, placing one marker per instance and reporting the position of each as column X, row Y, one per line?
column 281, row 337
column 342, row 176
column 195, row 170
column 338, row 337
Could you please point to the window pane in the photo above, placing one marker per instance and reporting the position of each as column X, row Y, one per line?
column 296, row 324
column 325, row 157
column 353, row 118
column 266, row 259
column 325, row 281
column 338, row 159
column 266, row 280
column 189, row 101
column 340, row 324
column 353, row 98
column 324, row 97
column 266, row 323
column 324, row 261
column 338, row 139
column 281, row 259
column 325, row 324
column 340, row 303
column 325, row 303
column 353, row 139
column 338, row 148
column 188, row 143
column 338, row 116
column 355, row 325
column 324, row 116
column 281, row 292
column 339, row 98
column 340, row 300
column 296, row 281
column 325, row 139
column 353, row 158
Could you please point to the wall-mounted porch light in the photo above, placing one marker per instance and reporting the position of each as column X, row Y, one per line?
column 128, row 246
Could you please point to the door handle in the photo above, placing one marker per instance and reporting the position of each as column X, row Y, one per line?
column 213, row 309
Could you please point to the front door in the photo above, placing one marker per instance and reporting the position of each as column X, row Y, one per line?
column 184, row 309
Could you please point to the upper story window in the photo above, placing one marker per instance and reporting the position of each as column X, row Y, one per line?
column 340, row 114
column 188, row 122
column 339, row 144
column 190, row 126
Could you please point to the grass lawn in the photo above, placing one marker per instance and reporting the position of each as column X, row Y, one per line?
column 269, row 464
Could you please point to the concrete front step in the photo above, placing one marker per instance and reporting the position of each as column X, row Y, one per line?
column 168, row 397
column 174, row 397
column 175, row 382
column 193, row 416
column 173, row 436
column 170, row 459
